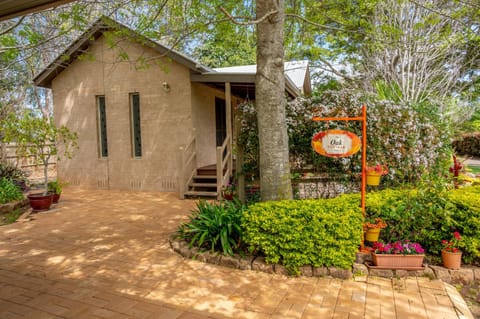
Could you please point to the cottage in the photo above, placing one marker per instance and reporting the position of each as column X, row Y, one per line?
column 149, row 121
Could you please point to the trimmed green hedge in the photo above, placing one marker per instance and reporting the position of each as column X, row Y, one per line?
column 428, row 215
column 325, row 232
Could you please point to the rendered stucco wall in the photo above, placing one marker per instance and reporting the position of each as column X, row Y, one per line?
column 166, row 117
column 203, row 101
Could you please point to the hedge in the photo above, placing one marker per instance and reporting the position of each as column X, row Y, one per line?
column 468, row 144
column 325, row 232
column 427, row 216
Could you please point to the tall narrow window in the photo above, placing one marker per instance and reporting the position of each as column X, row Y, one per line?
column 135, row 118
column 102, row 126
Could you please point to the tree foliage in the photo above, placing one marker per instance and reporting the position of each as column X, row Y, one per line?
column 38, row 138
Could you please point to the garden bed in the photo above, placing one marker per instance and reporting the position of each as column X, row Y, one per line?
column 466, row 275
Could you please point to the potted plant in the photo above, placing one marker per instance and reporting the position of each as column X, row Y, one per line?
column 372, row 228
column 374, row 173
column 451, row 254
column 400, row 254
column 228, row 191
column 55, row 187
column 38, row 138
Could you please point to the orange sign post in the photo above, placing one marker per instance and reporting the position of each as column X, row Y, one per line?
column 319, row 140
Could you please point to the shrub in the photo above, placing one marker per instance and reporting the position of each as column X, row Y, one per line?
column 14, row 174
column 429, row 214
column 410, row 139
column 468, row 144
column 9, row 191
column 305, row 232
column 214, row 226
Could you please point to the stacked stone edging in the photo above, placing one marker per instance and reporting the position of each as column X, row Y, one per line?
column 463, row 275
column 10, row 207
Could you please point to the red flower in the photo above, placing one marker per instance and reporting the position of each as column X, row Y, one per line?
column 454, row 244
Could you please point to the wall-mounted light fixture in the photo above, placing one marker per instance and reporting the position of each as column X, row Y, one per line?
column 166, row 87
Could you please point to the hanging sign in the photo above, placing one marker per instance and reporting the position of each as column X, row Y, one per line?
column 336, row 143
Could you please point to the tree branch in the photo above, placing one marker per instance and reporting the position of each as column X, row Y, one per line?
column 250, row 22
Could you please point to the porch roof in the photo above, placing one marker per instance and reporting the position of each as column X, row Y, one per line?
column 297, row 78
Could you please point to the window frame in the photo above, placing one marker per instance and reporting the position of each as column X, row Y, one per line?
column 102, row 134
column 135, row 128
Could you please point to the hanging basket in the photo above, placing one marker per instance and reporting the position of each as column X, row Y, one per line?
column 451, row 260
column 373, row 178
column 372, row 234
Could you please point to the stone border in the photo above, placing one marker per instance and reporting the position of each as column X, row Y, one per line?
column 256, row 263
column 10, row 207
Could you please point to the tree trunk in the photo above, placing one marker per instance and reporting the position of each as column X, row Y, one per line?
column 275, row 183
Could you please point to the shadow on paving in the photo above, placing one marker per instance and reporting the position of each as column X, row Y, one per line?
column 105, row 254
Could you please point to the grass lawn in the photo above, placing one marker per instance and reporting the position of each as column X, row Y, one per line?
column 474, row 169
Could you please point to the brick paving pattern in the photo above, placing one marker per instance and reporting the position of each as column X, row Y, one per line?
column 105, row 254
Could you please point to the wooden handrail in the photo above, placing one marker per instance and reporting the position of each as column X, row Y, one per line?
column 224, row 163
column 188, row 165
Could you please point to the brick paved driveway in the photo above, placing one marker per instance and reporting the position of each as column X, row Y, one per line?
column 105, row 254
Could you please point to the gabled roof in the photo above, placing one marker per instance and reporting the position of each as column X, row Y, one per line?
column 297, row 77
column 81, row 44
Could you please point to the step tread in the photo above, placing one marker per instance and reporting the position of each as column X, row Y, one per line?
column 197, row 193
column 205, row 176
column 203, row 185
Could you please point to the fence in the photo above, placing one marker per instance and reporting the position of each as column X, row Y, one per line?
column 33, row 169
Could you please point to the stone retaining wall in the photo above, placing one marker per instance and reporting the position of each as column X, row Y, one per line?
column 464, row 275
column 10, row 207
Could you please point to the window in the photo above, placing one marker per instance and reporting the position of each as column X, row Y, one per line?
column 102, row 127
column 135, row 126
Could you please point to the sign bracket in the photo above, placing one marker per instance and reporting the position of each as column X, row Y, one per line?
column 362, row 119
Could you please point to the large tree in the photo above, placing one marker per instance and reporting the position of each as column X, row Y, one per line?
column 270, row 100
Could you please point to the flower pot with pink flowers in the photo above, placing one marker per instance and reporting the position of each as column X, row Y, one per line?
column 402, row 254
column 374, row 174
column 451, row 254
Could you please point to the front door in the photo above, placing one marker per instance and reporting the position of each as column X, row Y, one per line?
column 220, row 121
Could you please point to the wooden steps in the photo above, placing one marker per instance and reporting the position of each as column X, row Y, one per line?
column 204, row 183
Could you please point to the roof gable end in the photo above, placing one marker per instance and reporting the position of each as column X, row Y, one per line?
column 82, row 43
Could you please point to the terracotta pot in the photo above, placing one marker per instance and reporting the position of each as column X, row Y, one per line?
column 373, row 179
column 372, row 234
column 40, row 201
column 397, row 261
column 451, row 260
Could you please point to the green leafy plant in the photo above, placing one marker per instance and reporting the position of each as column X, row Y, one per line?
column 9, row 191
column 16, row 175
column 323, row 232
column 56, row 186
column 214, row 226
column 429, row 214
column 38, row 138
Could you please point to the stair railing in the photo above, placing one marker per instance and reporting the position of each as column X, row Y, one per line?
column 224, row 164
column 188, row 165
